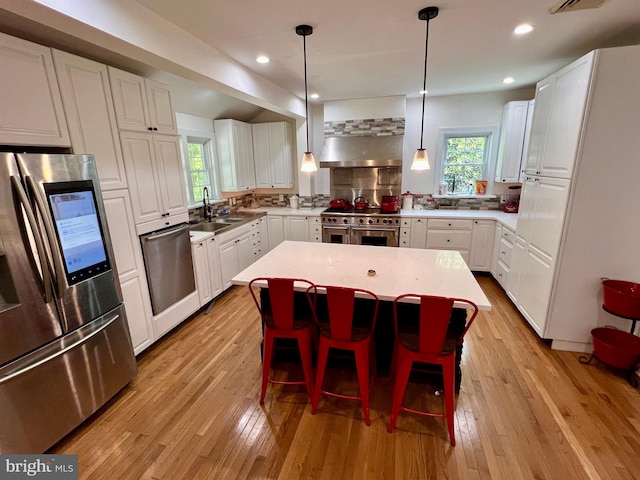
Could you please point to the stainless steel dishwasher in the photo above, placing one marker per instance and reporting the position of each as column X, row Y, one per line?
column 167, row 261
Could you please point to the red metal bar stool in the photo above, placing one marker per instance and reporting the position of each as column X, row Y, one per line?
column 282, row 317
column 427, row 339
column 345, row 323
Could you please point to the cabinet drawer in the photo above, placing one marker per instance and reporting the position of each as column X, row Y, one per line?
column 405, row 232
column 317, row 238
column 405, row 222
column 405, row 241
column 508, row 235
column 502, row 274
column 449, row 239
column 506, row 248
column 315, row 229
column 418, row 221
column 315, row 220
column 450, row 223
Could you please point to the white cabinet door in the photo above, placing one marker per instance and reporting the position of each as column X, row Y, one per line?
column 201, row 271
column 264, row 234
column 162, row 117
column 418, row 235
column 275, row 230
column 86, row 96
column 481, row 245
column 213, row 261
column 527, row 139
column 130, row 101
column 140, row 163
column 535, row 292
column 245, row 250
column 495, row 254
column 228, row 262
column 130, row 267
column 272, row 154
column 539, row 126
column 551, row 196
column 170, row 175
column 234, row 146
column 31, row 112
column 296, row 229
column 510, row 147
column 516, row 273
column 526, row 208
column 570, row 90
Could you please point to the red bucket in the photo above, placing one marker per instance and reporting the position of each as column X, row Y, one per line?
column 622, row 298
column 615, row 347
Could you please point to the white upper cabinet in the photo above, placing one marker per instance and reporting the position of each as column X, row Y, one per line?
column 31, row 112
column 141, row 104
column 511, row 146
column 235, row 155
column 558, row 118
column 272, row 154
column 88, row 105
column 154, row 170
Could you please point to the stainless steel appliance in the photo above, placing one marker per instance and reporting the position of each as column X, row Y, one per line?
column 64, row 342
column 167, row 260
column 370, row 227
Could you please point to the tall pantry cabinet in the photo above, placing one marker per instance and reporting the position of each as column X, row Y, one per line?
column 577, row 212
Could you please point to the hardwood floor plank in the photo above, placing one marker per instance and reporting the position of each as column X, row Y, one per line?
column 524, row 412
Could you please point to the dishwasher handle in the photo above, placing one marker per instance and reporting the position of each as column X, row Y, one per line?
column 164, row 233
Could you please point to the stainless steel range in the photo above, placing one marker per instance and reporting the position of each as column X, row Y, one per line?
column 366, row 227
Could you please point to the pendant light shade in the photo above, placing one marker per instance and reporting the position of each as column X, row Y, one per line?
column 421, row 159
column 308, row 161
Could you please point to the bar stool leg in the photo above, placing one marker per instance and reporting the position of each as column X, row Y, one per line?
column 304, row 345
column 448, row 374
column 402, row 373
column 323, row 353
column 266, row 362
column 362, row 366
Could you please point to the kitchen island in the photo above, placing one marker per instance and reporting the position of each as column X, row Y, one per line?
column 397, row 271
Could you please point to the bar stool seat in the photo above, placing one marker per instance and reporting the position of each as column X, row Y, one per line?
column 285, row 316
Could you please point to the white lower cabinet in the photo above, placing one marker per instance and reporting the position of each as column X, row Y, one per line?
column 275, row 230
column 450, row 234
column 315, row 229
column 537, row 276
column 502, row 254
column 418, row 235
column 206, row 266
column 263, row 227
column 131, row 273
column 495, row 251
column 235, row 249
column 481, row 245
column 296, row 228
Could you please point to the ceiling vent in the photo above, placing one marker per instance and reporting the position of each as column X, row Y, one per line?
column 571, row 5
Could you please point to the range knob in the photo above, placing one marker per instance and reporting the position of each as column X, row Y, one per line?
column 384, row 221
column 370, row 221
column 345, row 221
column 361, row 220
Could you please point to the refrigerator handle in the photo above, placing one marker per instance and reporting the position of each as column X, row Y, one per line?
column 58, row 265
column 33, row 224
column 49, row 352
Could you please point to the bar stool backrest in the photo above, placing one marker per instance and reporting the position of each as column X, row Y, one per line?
column 280, row 314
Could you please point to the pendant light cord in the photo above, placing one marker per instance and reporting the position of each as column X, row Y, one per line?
column 424, row 83
column 306, row 104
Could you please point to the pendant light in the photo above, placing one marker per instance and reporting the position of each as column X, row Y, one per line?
column 308, row 161
column 421, row 159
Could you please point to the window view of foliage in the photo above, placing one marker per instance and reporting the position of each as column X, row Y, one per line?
column 198, row 171
column 463, row 163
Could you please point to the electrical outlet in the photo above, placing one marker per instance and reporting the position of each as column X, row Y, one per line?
column 233, row 201
column 281, row 197
column 503, row 198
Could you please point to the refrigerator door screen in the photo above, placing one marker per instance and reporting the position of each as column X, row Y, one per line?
column 78, row 228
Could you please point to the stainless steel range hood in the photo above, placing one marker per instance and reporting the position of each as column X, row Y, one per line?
column 354, row 151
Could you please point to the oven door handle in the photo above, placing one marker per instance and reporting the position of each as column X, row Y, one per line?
column 376, row 228
column 335, row 227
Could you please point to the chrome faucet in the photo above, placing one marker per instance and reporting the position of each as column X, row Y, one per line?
column 207, row 204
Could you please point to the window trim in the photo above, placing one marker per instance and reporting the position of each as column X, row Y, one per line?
column 488, row 169
column 210, row 164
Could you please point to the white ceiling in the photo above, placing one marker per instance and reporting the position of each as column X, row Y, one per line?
column 363, row 48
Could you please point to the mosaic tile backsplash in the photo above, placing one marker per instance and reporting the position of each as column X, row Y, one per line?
column 368, row 127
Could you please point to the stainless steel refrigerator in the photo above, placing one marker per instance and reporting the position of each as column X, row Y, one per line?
column 64, row 342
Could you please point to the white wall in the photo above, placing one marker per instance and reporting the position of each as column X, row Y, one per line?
column 482, row 109
column 358, row 109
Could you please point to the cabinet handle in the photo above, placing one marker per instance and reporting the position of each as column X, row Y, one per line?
column 448, row 240
column 150, row 129
column 449, row 224
column 155, row 129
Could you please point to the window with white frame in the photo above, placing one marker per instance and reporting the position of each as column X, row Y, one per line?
column 198, row 163
column 465, row 158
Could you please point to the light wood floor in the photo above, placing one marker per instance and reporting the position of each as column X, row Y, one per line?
column 524, row 411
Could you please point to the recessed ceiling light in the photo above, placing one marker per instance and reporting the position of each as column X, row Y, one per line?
column 422, row 92
column 314, row 95
column 262, row 59
column 523, row 29
column 508, row 80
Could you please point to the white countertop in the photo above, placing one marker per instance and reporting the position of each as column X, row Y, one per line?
column 398, row 270
column 299, row 212
column 508, row 219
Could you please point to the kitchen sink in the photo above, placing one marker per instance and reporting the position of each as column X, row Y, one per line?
column 210, row 226
column 228, row 220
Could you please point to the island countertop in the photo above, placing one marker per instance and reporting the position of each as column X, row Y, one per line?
column 397, row 270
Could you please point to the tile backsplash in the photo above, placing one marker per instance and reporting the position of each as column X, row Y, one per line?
column 368, row 127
